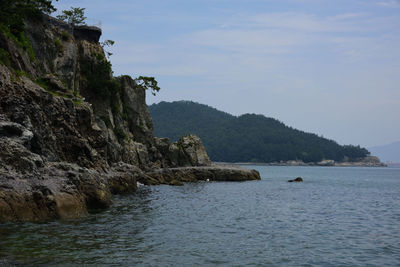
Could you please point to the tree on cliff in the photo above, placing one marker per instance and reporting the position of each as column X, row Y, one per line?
column 107, row 43
column 75, row 16
column 148, row 83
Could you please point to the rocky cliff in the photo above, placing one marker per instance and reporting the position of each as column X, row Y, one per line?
column 71, row 134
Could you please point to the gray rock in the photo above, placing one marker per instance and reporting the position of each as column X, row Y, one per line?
column 89, row 33
column 204, row 173
column 298, row 179
column 188, row 151
column 134, row 105
column 61, row 190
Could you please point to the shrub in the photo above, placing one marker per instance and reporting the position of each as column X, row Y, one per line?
column 98, row 76
column 5, row 57
column 59, row 46
column 13, row 13
column 119, row 133
column 65, row 36
column 75, row 16
column 42, row 83
column 20, row 40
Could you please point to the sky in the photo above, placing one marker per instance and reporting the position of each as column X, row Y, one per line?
column 327, row 67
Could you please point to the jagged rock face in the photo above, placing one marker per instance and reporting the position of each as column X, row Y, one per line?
column 97, row 131
column 63, row 147
column 56, row 50
column 134, row 104
column 61, row 130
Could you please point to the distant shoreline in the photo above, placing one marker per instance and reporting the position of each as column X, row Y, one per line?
column 397, row 165
column 311, row 164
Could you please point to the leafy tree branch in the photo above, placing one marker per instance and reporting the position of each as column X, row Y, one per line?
column 148, row 83
column 74, row 16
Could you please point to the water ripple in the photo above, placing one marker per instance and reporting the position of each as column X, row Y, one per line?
column 336, row 217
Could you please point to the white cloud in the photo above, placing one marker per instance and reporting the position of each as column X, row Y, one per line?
column 319, row 65
column 389, row 3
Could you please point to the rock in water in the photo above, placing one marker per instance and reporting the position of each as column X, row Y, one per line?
column 298, row 179
column 176, row 183
column 204, row 173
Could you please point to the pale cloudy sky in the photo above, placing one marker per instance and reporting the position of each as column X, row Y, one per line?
column 331, row 67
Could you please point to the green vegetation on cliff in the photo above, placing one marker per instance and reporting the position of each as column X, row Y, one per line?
column 12, row 22
column 247, row 138
column 14, row 12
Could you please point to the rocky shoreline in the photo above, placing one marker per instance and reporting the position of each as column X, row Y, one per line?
column 72, row 135
column 65, row 191
column 176, row 176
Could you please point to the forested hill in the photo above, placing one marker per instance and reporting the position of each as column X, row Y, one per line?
column 247, row 138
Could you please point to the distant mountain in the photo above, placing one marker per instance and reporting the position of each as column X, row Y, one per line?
column 390, row 152
column 246, row 138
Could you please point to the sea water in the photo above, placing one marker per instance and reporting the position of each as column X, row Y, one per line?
column 336, row 217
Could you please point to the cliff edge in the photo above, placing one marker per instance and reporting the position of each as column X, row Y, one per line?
column 71, row 134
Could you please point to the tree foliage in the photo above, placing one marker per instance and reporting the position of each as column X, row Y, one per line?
column 107, row 43
column 14, row 12
column 75, row 16
column 247, row 138
column 148, row 83
column 98, row 75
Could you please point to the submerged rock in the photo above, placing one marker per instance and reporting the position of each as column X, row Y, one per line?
column 298, row 179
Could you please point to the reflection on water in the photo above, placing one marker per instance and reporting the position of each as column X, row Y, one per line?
column 338, row 216
column 91, row 239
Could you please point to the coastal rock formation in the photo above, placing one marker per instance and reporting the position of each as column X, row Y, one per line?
column 72, row 135
column 188, row 151
column 204, row 173
column 60, row 190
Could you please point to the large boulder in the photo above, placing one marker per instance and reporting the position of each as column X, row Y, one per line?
column 188, row 151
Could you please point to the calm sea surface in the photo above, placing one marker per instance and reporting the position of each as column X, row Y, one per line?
column 336, row 217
